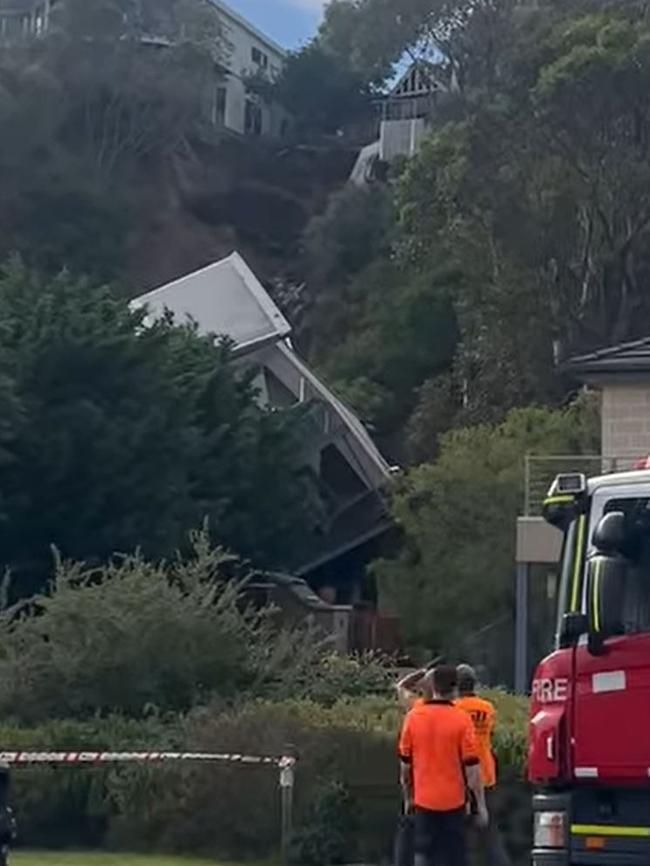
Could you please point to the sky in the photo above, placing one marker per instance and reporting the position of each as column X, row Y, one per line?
column 289, row 22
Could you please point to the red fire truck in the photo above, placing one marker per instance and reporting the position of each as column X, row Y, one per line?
column 589, row 740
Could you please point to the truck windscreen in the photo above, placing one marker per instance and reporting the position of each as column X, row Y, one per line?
column 636, row 607
column 570, row 565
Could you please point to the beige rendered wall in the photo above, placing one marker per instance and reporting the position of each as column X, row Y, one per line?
column 626, row 419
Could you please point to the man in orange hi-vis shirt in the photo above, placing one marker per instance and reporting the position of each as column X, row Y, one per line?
column 484, row 716
column 439, row 760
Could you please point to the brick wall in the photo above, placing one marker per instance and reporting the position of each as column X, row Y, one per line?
column 626, row 419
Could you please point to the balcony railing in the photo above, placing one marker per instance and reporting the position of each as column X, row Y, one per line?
column 540, row 471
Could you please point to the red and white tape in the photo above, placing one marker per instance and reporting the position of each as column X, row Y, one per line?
column 79, row 757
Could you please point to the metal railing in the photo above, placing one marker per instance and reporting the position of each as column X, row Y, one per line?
column 540, row 471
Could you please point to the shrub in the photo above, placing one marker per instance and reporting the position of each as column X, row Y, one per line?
column 347, row 766
column 334, row 676
column 59, row 806
column 350, row 744
column 136, row 635
column 123, row 637
column 328, row 835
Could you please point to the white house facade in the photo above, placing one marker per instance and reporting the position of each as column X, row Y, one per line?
column 406, row 114
column 226, row 299
column 248, row 54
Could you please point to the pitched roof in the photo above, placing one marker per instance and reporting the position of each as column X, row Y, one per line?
column 632, row 357
column 225, row 299
column 419, row 78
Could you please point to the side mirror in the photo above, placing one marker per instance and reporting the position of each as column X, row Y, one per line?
column 574, row 625
column 610, row 534
column 605, row 597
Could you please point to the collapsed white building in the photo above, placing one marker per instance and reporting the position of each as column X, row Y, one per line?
column 227, row 300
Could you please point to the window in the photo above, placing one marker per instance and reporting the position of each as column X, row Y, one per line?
column 252, row 118
column 636, row 603
column 259, row 57
column 219, row 108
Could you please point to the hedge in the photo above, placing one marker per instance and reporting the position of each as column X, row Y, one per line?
column 347, row 797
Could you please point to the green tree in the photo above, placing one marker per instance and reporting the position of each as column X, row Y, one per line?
column 377, row 329
column 109, row 98
column 135, row 636
column 127, row 436
column 455, row 572
column 535, row 197
column 321, row 94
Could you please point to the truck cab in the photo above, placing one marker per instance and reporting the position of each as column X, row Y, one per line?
column 589, row 738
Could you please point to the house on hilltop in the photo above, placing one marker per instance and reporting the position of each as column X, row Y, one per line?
column 405, row 115
column 248, row 53
column 226, row 299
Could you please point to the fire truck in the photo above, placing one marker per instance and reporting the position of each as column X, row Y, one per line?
column 589, row 737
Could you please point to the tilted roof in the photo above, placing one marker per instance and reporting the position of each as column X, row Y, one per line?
column 225, row 299
column 632, row 357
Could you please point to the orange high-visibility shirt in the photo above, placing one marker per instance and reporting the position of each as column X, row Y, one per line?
column 484, row 717
column 438, row 740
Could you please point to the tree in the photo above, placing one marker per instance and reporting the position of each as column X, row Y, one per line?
column 111, row 96
column 461, row 37
column 535, row 195
column 321, row 94
column 354, row 230
column 136, row 635
column 455, row 573
column 126, row 437
column 378, row 330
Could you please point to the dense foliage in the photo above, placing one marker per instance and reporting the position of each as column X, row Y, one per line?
column 322, row 95
column 346, row 770
column 116, row 437
column 453, row 580
column 523, row 221
column 88, row 114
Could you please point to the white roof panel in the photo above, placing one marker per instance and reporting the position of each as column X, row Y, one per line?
column 225, row 299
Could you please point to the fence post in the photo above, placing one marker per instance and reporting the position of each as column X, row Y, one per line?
column 287, row 781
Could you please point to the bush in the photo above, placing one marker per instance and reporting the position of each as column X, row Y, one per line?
column 328, row 835
column 135, row 635
column 347, row 747
column 347, row 767
column 64, row 806
column 335, row 676
column 455, row 597
column 124, row 637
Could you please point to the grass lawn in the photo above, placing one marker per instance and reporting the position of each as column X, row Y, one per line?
column 101, row 858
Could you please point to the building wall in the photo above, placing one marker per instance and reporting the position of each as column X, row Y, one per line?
column 25, row 18
column 400, row 138
column 250, row 53
column 626, row 419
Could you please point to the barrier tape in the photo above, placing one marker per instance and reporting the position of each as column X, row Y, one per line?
column 50, row 757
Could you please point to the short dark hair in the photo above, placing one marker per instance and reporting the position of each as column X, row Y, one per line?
column 444, row 680
column 466, row 678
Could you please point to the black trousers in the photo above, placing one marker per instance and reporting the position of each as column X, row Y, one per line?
column 440, row 838
column 403, row 853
